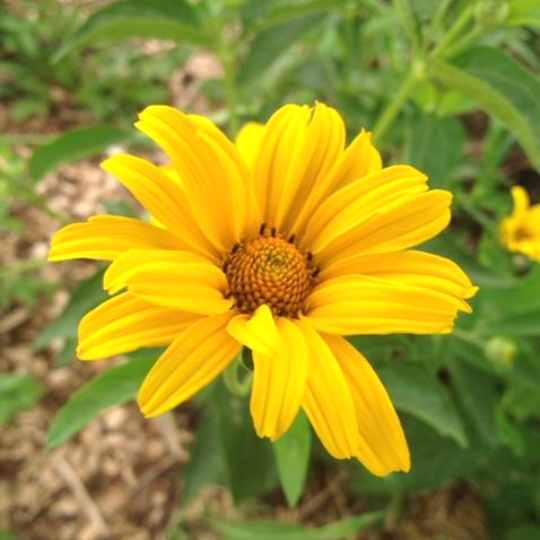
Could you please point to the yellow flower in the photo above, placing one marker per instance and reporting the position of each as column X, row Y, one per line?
column 282, row 243
column 520, row 231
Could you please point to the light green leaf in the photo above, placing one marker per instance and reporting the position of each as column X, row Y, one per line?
column 501, row 87
column 17, row 393
column 415, row 391
column 112, row 387
column 271, row 43
column 274, row 530
column 162, row 19
column 292, row 452
column 75, row 144
column 523, row 13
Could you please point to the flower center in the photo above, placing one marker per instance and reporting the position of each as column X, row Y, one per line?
column 269, row 270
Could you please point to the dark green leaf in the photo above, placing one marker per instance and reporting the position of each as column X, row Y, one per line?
column 274, row 530
column 415, row 391
column 206, row 464
column 162, row 19
column 271, row 43
column 17, row 393
column 87, row 295
column 292, row 452
column 112, row 387
column 500, row 86
column 75, row 144
column 250, row 461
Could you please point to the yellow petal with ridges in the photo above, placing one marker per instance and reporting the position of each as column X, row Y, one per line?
column 360, row 200
column 410, row 267
column 258, row 331
column 399, row 226
column 162, row 196
column 357, row 304
column 213, row 175
column 107, row 237
column 191, row 362
column 176, row 279
column 248, row 141
column 125, row 323
column 383, row 447
column 279, row 381
column 327, row 399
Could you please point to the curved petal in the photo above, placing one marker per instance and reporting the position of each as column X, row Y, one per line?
column 213, row 173
column 298, row 148
column 521, row 201
column 162, row 196
column 258, row 332
column 356, row 304
column 327, row 399
column 382, row 447
column 398, row 226
column 191, row 362
column 360, row 159
column 107, row 237
column 175, row 279
column 125, row 323
column 279, row 381
column 411, row 267
column 248, row 141
column 360, row 200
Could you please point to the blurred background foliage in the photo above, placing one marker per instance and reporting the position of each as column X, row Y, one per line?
column 451, row 86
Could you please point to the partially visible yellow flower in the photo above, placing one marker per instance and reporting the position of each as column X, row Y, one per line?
column 282, row 243
column 520, row 231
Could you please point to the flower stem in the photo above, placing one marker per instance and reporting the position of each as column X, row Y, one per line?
column 450, row 37
column 231, row 378
column 395, row 105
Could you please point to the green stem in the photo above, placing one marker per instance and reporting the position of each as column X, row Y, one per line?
column 440, row 14
column 476, row 213
column 450, row 37
column 395, row 105
column 231, row 378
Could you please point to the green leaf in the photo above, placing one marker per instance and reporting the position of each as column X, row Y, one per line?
column 250, row 462
column 415, row 391
column 17, row 393
column 436, row 147
column 523, row 13
column 162, row 19
column 87, row 295
column 74, row 144
column 500, row 86
column 206, row 464
column 292, row 452
column 112, row 387
column 271, row 43
column 274, row 530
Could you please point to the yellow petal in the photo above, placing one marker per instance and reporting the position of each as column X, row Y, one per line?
column 212, row 172
column 175, row 279
column 279, row 381
column 258, row 332
column 248, row 141
column 361, row 200
column 125, row 323
column 398, row 226
column 521, row 201
column 355, row 304
column 327, row 399
column 107, row 237
column 410, row 267
column 193, row 360
column 359, row 159
column 382, row 448
column 162, row 196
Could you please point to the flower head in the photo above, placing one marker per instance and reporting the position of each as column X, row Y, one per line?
column 283, row 243
column 520, row 231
